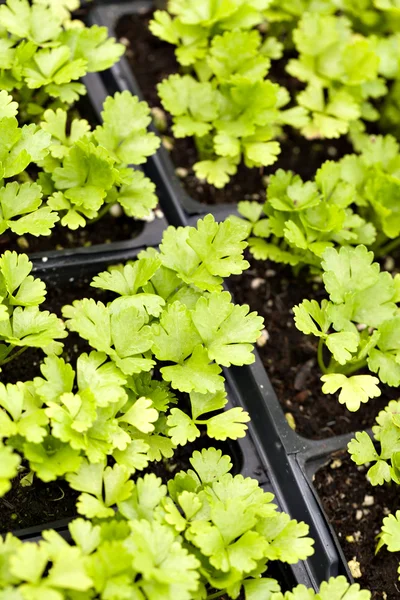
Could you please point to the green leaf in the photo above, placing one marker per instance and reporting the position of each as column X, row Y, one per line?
column 124, row 130
column 194, row 104
column 237, row 53
column 127, row 280
column 135, row 457
column 182, row 428
column 68, row 571
column 93, row 45
column 210, row 464
column 390, row 534
column 15, row 272
column 53, row 67
column 228, row 425
column 342, row 345
column 175, row 337
column 34, row 328
column 18, row 200
column 205, row 403
column 250, row 210
column 255, row 589
column 85, row 535
column 51, row 459
column 36, row 22
column 138, row 198
column 219, row 245
column 355, row 390
column 362, row 449
column 30, row 562
column 386, row 365
column 216, row 172
column 232, row 332
column 8, row 108
column 195, row 374
column 309, row 314
column 141, row 415
column 204, row 255
column 349, row 270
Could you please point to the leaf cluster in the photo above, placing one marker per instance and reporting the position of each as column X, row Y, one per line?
column 230, row 108
column 383, row 451
column 300, row 220
column 81, row 172
column 176, row 543
column 22, row 323
column 342, row 72
column 199, row 508
column 191, row 27
column 171, row 311
column 44, row 53
column 357, row 327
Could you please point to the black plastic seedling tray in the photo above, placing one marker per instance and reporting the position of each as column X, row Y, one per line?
column 289, row 459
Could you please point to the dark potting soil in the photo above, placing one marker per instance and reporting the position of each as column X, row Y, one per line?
column 356, row 509
column 290, row 357
column 108, row 229
column 152, row 60
column 36, row 504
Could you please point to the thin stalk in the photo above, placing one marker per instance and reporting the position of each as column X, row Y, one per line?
column 356, row 367
column 216, row 595
column 106, row 208
column 320, row 356
column 15, row 355
column 389, row 247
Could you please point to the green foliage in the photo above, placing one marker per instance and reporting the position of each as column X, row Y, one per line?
column 362, row 311
column 86, row 172
column 299, row 221
column 341, row 71
column 22, row 323
column 191, row 28
column 384, row 451
column 234, row 113
column 81, row 173
column 337, row 588
column 227, row 105
column 164, row 544
column 166, row 302
column 375, row 176
column 44, row 55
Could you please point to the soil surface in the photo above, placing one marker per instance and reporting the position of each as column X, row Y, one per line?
column 290, row 357
column 152, row 60
column 356, row 509
column 108, row 229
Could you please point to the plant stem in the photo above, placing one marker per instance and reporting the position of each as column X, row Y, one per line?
column 106, row 208
column 15, row 355
column 320, row 356
column 355, row 367
column 389, row 247
column 216, row 595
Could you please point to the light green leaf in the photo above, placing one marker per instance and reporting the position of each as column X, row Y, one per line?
column 355, row 390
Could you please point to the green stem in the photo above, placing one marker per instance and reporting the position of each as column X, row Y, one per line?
column 15, row 355
column 389, row 247
column 355, row 367
column 320, row 356
column 106, row 208
column 216, row 595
